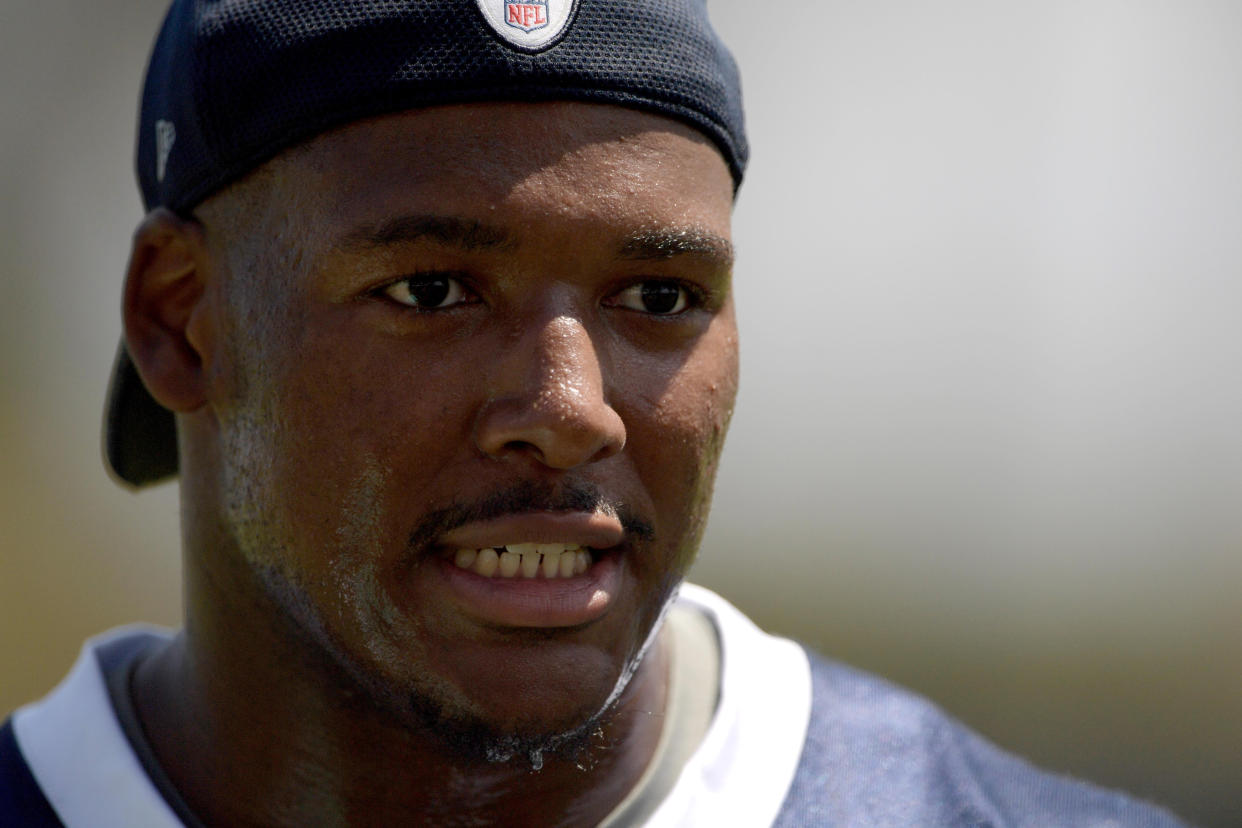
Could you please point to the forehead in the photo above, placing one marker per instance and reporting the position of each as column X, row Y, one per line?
column 575, row 161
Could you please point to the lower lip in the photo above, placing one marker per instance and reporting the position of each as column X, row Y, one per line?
column 536, row 602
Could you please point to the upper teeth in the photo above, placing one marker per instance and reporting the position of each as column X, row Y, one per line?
column 530, row 560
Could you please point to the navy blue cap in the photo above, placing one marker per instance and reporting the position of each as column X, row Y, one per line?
column 231, row 83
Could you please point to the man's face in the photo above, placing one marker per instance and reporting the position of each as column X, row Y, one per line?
column 469, row 331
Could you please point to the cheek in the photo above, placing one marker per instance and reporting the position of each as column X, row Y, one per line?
column 353, row 395
column 696, row 406
column 357, row 423
column 680, row 432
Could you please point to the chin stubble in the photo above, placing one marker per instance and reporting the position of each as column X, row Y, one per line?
column 472, row 739
column 426, row 707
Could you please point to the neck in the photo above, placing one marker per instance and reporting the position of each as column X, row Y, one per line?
column 254, row 726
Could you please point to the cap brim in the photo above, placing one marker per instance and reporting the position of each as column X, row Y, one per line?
column 140, row 436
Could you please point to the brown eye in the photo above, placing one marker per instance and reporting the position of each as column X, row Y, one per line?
column 431, row 292
column 661, row 297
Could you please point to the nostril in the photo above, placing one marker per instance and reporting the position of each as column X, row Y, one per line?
column 523, row 447
column 514, row 428
column 612, row 443
column 550, row 401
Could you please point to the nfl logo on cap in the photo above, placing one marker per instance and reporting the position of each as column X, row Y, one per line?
column 527, row 15
column 529, row 25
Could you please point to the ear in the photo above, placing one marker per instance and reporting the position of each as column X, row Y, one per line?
column 164, row 308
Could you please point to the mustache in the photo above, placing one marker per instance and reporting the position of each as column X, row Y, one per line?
column 523, row 498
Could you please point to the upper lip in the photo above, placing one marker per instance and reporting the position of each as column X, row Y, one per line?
column 596, row 530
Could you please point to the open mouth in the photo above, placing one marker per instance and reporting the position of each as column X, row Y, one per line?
column 526, row 560
column 543, row 569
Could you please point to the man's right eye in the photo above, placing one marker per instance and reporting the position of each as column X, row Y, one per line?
column 430, row 292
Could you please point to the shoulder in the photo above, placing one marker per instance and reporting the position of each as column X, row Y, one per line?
column 21, row 800
column 849, row 748
column 876, row 754
column 66, row 759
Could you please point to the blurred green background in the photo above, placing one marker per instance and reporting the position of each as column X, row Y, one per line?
column 988, row 440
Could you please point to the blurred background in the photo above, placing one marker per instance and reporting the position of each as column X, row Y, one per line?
column 988, row 439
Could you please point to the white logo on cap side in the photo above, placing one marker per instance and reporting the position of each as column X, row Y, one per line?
column 165, row 135
column 529, row 25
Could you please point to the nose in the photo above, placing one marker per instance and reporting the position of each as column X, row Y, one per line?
column 549, row 400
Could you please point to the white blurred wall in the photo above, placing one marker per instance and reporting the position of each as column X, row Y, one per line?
column 987, row 439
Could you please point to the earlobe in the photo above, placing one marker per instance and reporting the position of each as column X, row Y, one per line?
column 163, row 309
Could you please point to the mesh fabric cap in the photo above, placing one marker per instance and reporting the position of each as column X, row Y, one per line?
column 239, row 80
column 231, row 83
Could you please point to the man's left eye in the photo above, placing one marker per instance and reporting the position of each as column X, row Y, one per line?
column 662, row 297
column 431, row 292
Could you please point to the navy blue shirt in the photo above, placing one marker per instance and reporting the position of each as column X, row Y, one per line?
column 874, row 755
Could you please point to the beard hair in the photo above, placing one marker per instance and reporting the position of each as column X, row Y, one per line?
column 524, row 496
column 471, row 739
column 464, row 735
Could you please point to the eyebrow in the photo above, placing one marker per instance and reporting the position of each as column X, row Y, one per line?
column 471, row 235
column 655, row 245
column 467, row 234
